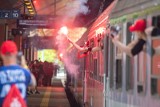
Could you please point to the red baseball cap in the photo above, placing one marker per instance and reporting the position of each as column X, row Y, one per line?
column 140, row 25
column 8, row 47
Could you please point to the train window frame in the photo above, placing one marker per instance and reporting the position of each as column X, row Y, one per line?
column 111, row 64
column 100, row 58
column 141, row 73
column 140, row 86
column 155, row 75
column 129, row 71
column 118, row 63
column 95, row 71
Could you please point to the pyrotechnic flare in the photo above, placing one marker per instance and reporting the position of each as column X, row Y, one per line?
column 63, row 30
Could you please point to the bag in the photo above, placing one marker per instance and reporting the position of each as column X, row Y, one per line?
column 14, row 98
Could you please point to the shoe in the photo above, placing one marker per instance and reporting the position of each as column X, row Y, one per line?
column 31, row 91
column 28, row 93
column 37, row 92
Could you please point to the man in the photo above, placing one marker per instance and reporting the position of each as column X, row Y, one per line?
column 11, row 73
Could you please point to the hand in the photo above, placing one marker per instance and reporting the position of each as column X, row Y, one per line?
column 69, row 40
column 115, row 38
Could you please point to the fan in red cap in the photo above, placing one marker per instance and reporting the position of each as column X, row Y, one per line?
column 140, row 25
column 137, row 45
column 8, row 47
column 13, row 87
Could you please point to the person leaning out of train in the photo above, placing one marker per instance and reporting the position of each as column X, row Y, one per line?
column 86, row 47
column 137, row 45
column 154, row 32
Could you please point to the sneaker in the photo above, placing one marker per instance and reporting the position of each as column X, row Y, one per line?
column 28, row 93
column 37, row 92
column 31, row 91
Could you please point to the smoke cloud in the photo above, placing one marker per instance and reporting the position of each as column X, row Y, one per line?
column 62, row 45
column 76, row 7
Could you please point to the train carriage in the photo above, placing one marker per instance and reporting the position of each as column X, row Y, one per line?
column 134, row 82
column 111, row 78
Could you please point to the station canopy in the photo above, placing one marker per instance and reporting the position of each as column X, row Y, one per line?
column 77, row 15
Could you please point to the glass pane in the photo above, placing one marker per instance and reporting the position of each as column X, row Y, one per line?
column 118, row 73
column 129, row 62
column 155, row 74
column 111, row 50
column 141, row 73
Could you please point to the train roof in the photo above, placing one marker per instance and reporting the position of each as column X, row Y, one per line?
column 129, row 9
column 101, row 21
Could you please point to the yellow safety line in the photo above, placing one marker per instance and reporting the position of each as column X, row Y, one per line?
column 46, row 97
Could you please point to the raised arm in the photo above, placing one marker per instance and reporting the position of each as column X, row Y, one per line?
column 77, row 46
column 123, row 47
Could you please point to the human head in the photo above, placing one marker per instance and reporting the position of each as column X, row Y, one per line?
column 8, row 51
column 138, row 26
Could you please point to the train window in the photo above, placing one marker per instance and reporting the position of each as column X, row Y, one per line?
column 129, row 62
column 118, row 73
column 100, row 62
column 156, row 21
column 92, row 42
column 155, row 72
column 111, row 63
column 141, row 73
column 118, row 64
column 95, row 69
column 91, row 63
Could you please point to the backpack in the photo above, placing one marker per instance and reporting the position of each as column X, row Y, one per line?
column 14, row 98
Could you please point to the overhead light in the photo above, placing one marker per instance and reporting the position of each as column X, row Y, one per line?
column 29, row 7
column 31, row 13
column 30, row 10
column 28, row 3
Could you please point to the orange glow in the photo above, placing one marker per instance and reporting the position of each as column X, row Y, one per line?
column 64, row 30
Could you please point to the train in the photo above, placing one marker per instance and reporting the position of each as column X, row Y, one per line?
column 110, row 78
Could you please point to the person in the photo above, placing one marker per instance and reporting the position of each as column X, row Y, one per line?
column 86, row 48
column 33, row 69
column 22, row 62
column 137, row 45
column 154, row 32
column 11, row 73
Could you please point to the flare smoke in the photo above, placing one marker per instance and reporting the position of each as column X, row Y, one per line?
column 67, row 59
column 76, row 7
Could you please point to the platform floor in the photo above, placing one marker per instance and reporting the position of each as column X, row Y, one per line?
column 54, row 96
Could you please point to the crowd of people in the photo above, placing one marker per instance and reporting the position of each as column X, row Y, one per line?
column 43, row 72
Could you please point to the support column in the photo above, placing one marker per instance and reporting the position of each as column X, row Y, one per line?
column 18, row 41
column 2, row 33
